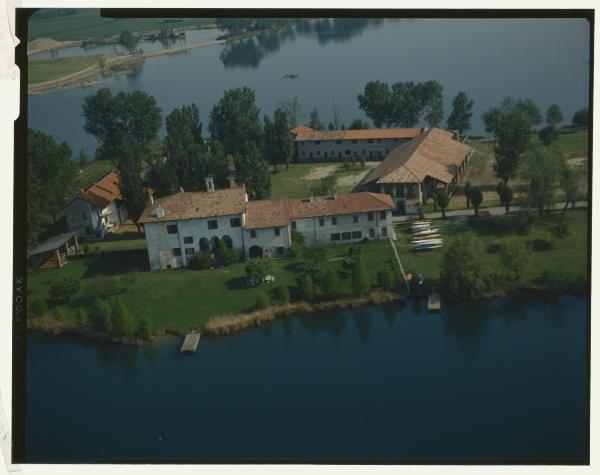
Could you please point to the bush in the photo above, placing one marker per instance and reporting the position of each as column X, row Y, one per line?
column 81, row 316
column 129, row 278
column 360, row 279
column 100, row 314
column 306, row 287
column 316, row 253
column 259, row 268
column 515, row 256
column 86, row 248
column 330, row 284
column 102, row 287
column 226, row 254
column 38, row 307
column 542, row 244
column 262, row 301
column 145, row 329
column 560, row 229
column 282, row 294
column 202, row 260
column 59, row 313
column 385, row 279
column 122, row 321
column 62, row 290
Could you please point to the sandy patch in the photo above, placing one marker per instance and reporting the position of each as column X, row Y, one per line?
column 320, row 172
column 45, row 44
column 576, row 161
column 352, row 180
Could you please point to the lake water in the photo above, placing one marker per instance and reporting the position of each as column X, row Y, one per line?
column 499, row 380
column 545, row 60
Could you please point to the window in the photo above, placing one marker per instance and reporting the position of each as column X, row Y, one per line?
column 88, row 230
column 370, row 215
column 177, row 251
column 347, row 152
column 338, row 142
column 317, row 142
column 235, row 222
column 190, row 251
column 83, row 216
column 387, row 150
column 321, row 221
column 318, row 153
column 188, row 240
column 355, row 141
column 280, row 250
column 293, row 224
column 346, row 236
column 371, row 233
column 253, row 234
column 335, row 237
column 384, row 232
column 355, row 218
column 334, row 220
column 363, row 151
column 304, row 154
column 369, row 140
column 213, row 224
column 171, row 228
column 382, row 214
column 277, row 231
column 378, row 140
column 356, row 235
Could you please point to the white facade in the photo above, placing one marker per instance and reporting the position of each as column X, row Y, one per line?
column 172, row 243
column 271, row 242
column 345, row 228
column 92, row 222
column 337, row 150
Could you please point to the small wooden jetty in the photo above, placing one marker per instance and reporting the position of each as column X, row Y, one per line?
column 190, row 343
column 433, row 303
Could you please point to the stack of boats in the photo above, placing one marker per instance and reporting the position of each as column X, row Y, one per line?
column 425, row 236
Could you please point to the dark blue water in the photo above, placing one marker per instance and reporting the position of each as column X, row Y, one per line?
column 503, row 380
column 542, row 59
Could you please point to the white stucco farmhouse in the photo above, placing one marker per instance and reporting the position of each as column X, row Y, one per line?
column 180, row 225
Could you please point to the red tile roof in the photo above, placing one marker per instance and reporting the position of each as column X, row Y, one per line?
column 267, row 214
column 105, row 190
column 201, row 204
column 433, row 153
column 341, row 204
column 301, row 129
column 363, row 134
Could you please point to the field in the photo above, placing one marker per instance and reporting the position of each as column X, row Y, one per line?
column 86, row 23
column 480, row 169
column 46, row 70
column 298, row 181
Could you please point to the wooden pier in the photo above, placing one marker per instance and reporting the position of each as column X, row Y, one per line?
column 190, row 343
column 433, row 303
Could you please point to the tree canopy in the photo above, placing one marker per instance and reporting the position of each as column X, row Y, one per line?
column 128, row 162
column 540, row 171
column 252, row 171
column 513, row 133
column 129, row 41
column 278, row 144
column 581, row 118
column 462, row 112
column 315, row 120
column 464, row 274
column 234, row 120
column 375, row 102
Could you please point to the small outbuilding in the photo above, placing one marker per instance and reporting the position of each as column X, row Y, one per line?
column 55, row 251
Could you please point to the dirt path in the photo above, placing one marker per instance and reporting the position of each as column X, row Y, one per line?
column 40, row 45
column 320, row 172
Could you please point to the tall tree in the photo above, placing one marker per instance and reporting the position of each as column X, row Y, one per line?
column 315, row 121
column 375, row 102
column 554, row 115
column 359, row 124
column 510, row 107
column 50, row 178
column 129, row 41
column 464, row 273
column 513, row 132
column 128, row 162
column 540, row 171
column 405, row 104
column 278, row 142
column 293, row 109
column 162, row 178
column 134, row 116
column 581, row 118
column 234, row 120
column 462, row 112
column 569, row 182
column 432, row 102
column 336, row 118
column 505, row 193
column 443, row 200
column 360, row 278
column 476, row 198
column 252, row 171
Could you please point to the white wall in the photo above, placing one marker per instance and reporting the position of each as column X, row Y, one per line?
column 267, row 240
column 80, row 215
column 330, row 150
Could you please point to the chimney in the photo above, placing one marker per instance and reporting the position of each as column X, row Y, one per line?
column 210, row 184
column 160, row 212
column 151, row 199
column 181, row 189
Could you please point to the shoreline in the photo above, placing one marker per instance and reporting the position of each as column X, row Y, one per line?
column 231, row 324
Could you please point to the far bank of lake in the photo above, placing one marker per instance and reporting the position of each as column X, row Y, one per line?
column 501, row 380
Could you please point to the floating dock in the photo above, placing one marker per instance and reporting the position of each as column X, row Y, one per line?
column 190, row 343
column 433, row 303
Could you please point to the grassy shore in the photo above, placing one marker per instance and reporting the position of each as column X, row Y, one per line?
column 86, row 23
column 179, row 300
column 49, row 69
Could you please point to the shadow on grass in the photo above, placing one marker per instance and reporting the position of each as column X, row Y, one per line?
column 117, row 262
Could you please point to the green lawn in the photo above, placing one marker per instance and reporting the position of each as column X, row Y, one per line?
column 92, row 171
column 568, row 257
column 87, row 22
column 47, row 70
column 183, row 298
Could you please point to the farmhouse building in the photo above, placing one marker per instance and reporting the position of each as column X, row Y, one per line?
column 335, row 145
column 412, row 172
column 98, row 209
column 180, row 225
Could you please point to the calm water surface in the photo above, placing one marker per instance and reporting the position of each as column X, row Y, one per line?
column 500, row 380
column 545, row 60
